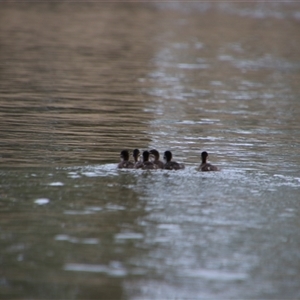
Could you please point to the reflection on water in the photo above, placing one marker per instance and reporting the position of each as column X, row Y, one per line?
column 79, row 83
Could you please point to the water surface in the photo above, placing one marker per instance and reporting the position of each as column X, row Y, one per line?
column 81, row 82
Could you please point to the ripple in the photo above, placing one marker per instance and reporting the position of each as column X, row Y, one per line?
column 215, row 275
column 42, row 201
column 115, row 270
column 114, row 207
column 129, row 236
column 58, row 183
column 78, row 212
column 193, row 66
column 74, row 240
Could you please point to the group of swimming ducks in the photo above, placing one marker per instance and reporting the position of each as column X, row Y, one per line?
column 155, row 163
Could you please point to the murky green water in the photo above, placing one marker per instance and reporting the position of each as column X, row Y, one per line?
column 80, row 82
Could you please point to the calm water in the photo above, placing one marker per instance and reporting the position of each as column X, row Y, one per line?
column 81, row 82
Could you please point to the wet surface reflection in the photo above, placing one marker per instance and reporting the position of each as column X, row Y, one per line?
column 79, row 83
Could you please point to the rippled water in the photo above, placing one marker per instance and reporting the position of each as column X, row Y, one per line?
column 81, row 82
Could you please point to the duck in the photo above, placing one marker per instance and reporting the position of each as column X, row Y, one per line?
column 137, row 163
column 147, row 165
column 205, row 166
column 171, row 165
column 125, row 163
column 156, row 161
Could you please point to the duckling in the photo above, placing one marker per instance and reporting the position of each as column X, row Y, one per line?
column 205, row 167
column 156, row 161
column 171, row 165
column 125, row 163
column 137, row 163
column 147, row 165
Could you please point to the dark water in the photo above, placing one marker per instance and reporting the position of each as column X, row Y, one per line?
column 80, row 82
